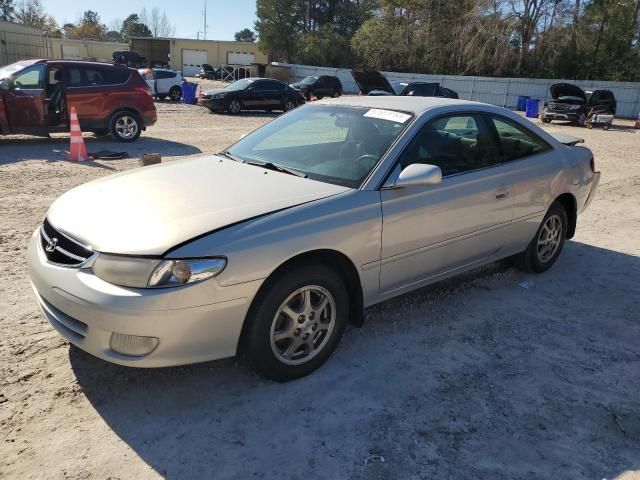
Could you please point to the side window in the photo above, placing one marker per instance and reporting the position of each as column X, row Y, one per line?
column 259, row 86
column 75, row 77
column 456, row 144
column 162, row 75
column 30, row 78
column 271, row 85
column 91, row 77
column 516, row 141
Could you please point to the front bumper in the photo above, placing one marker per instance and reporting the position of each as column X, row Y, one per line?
column 568, row 116
column 215, row 104
column 195, row 323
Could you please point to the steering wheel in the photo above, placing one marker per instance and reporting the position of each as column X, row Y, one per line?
column 367, row 161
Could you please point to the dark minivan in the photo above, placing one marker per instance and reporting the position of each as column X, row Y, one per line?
column 319, row 86
column 37, row 96
column 252, row 94
column 573, row 104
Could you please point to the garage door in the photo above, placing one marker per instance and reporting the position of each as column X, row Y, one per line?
column 239, row 58
column 192, row 60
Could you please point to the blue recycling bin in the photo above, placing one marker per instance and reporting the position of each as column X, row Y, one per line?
column 532, row 107
column 522, row 103
column 189, row 92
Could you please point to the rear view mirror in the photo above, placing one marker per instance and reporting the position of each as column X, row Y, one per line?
column 4, row 84
column 418, row 174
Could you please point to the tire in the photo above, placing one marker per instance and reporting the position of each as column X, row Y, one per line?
column 334, row 94
column 582, row 119
column 319, row 97
column 537, row 258
column 288, row 105
column 309, row 335
column 175, row 93
column 234, row 107
column 546, row 120
column 125, row 126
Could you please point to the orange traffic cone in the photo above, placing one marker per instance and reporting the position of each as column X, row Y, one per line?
column 637, row 125
column 77, row 149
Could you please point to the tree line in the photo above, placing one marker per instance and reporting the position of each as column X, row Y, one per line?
column 89, row 26
column 577, row 39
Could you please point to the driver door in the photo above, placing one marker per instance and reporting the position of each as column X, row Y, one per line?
column 432, row 230
column 25, row 100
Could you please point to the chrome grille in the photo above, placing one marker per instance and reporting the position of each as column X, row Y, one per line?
column 558, row 107
column 62, row 250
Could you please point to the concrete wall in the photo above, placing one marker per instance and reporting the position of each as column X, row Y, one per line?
column 217, row 50
column 19, row 43
column 497, row 91
column 84, row 49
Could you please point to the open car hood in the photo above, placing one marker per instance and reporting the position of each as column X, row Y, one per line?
column 566, row 90
column 370, row 80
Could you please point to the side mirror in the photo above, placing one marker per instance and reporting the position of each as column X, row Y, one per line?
column 418, row 174
column 4, row 84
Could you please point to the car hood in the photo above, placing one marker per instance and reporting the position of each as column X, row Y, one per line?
column 214, row 91
column 370, row 80
column 566, row 90
column 149, row 210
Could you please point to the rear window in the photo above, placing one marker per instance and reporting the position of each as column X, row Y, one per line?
column 162, row 75
column 91, row 76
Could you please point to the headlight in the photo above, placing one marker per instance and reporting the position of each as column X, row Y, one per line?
column 172, row 273
column 153, row 273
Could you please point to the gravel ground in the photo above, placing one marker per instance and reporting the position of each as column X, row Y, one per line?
column 496, row 374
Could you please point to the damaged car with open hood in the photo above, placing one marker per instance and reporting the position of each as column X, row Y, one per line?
column 572, row 103
column 373, row 83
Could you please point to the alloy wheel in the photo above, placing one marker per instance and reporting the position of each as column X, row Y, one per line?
column 289, row 106
column 549, row 238
column 303, row 325
column 234, row 106
column 126, row 126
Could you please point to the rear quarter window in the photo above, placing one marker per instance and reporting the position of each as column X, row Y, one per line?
column 516, row 141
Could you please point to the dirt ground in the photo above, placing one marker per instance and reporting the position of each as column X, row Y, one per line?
column 497, row 374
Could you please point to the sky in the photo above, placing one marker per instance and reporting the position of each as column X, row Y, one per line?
column 224, row 17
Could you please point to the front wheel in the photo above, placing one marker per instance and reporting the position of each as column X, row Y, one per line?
column 288, row 105
column 296, row 322
column 234, row 107
column 545, row 248
column 125, row 126
column 582, row 119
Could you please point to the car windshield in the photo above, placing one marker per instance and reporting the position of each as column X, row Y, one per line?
column 7, row 71
column 309, row 80
column 329, row 143
column 238, row 85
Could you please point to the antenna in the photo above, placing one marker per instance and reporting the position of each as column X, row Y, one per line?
column 205, row 20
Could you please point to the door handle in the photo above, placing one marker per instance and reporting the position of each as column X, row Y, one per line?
column 503, row 193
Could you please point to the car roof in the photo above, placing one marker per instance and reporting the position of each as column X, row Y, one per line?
column 415, row 105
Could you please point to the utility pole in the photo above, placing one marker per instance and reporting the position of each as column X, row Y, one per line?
column 205, row 20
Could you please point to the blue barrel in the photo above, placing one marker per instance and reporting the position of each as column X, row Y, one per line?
column 532, row 107
column 522, row 103
column 189, row 92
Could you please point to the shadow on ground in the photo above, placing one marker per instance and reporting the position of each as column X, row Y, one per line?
column 55, row 148
column 496, row 374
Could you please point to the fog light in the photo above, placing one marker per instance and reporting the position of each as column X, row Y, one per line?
column 132, row 345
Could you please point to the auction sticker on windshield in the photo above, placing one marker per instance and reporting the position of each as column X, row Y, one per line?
column 388, row 115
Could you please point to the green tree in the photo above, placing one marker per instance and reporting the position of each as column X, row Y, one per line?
column 245, row 35
column 89, row 27
column 133, row 27
column 277, row 27
column 7, row 10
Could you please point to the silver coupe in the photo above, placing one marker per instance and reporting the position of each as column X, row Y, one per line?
column 270, row 248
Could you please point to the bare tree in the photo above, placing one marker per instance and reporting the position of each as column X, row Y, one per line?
column 158, row 23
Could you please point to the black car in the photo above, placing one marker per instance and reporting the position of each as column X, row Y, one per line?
column 572, row 103
column 319, row 86
column 129, row 58
column 253, row 94
column 209, row 72
column 372, row 82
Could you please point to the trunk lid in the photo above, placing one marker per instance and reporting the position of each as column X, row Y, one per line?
column 371, row 80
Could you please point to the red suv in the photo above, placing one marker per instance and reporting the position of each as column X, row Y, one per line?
column 36, row 97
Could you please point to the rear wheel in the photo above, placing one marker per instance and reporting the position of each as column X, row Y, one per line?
column 175, row 93
column 125, row 126
column 545, row 248
column 296, row 322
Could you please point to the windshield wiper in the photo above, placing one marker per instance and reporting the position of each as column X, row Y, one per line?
column 277, row 168
column 226, row 154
